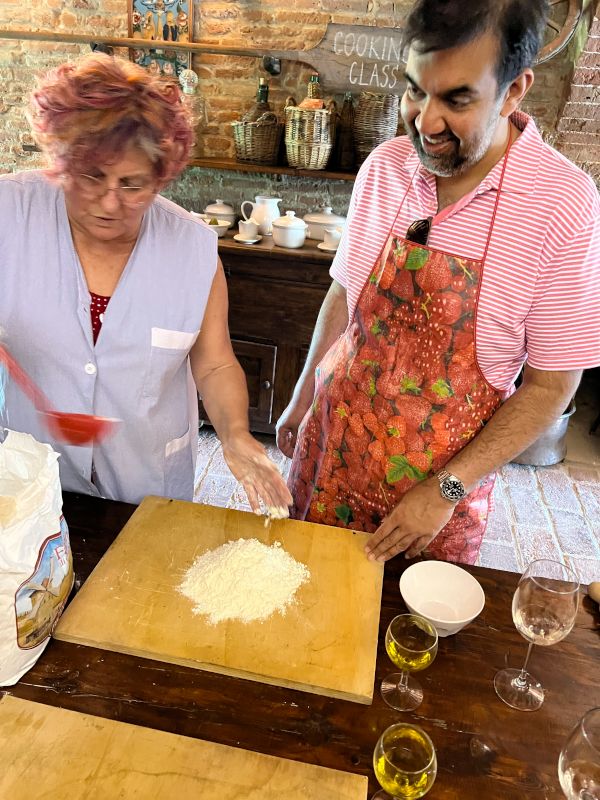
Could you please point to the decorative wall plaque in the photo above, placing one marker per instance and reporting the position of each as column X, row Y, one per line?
column 166, row 21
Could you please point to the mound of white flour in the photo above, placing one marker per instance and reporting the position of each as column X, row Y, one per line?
column 244, row 580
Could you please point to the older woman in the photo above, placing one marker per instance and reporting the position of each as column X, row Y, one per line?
column 113, row 298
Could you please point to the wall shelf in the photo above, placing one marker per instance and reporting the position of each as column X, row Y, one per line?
column 240, row 166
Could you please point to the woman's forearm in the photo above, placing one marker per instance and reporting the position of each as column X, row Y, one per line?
column 224, row 394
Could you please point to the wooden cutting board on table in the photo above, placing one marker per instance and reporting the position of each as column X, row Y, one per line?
column 325, row 643
column 82, row 757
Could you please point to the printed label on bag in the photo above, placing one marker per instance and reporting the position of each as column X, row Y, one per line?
column 40, row 599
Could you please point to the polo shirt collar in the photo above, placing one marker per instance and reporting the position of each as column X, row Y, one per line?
column 521, row 169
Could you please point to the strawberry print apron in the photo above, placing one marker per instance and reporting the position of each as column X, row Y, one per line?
column 397, row 396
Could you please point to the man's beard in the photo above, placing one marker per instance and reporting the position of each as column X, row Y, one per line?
column 457, row 160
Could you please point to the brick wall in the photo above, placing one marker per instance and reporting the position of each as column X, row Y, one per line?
column 579, row 126
column 228, row 84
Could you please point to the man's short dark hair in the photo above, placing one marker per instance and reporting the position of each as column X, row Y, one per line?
column 518, row 25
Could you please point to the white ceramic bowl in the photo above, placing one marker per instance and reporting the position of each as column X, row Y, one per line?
column 446, row 595
column 224, row 224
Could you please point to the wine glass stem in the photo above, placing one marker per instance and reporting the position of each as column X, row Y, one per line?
column 403, row 682
column 521, row 680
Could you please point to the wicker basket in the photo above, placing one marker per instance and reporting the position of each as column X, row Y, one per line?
column 309, row 135
column 375, row 121
column 258, row 142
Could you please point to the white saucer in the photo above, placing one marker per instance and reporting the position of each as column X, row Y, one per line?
column 239, row 238
column 323, row 246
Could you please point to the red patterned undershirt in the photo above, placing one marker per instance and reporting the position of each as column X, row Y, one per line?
column 97, row 308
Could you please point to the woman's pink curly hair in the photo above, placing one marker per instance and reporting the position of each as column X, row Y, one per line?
column 88, row 113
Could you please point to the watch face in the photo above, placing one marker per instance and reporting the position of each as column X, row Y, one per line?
column 453, row 489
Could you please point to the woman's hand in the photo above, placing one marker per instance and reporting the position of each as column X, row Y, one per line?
column 249, row 463
column 411, row 526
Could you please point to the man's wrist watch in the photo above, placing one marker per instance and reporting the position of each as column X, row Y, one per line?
column 451, row 487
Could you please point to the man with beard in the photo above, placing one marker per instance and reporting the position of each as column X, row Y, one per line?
column 471, row 249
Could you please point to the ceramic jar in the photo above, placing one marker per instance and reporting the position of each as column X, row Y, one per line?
column 289, row 230
column 317, row 221
column 221, row 211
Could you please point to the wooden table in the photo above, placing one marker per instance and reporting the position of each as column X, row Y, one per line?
column 485, row 749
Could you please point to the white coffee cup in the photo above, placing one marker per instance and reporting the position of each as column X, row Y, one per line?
column 248, row 228
column 331, row 237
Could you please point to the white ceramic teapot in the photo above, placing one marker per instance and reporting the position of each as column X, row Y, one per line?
column 263, row 211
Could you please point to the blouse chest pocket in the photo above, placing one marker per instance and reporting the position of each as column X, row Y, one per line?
column 168, row 354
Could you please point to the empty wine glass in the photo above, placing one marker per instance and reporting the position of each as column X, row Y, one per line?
column 579, row 760
column 411, row 643
column 544, row 608
column 404, row 761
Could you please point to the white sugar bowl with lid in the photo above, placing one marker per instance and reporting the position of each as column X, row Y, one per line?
column 289, row 230
column 317, row 221
column 221, row 211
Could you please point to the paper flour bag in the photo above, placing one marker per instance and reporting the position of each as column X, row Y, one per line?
column 36, row 565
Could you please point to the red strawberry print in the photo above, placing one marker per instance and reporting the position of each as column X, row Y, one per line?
column 437, row 276
column 414, row 441
column 422, row 461
column 402, row 285
column 382, row 408
column 394, row 446
column 396, row 426
column 458, row 283
column 355, row 424
column 377, row 450
column 415, row 410
column 383, row 307
column 386, row 385
column 447, row 307
column 388, row 273
column 367, row 384
column 360, row 403
column 356, row 370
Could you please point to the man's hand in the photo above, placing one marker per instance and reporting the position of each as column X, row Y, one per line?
column 287, row 426
column 416, row 520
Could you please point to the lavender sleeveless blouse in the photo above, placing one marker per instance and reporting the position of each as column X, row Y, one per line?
column 138, row 371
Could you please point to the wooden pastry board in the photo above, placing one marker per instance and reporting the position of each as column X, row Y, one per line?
column 66, row 754
column 326, row 642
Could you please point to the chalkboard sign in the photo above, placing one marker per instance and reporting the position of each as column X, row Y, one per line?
column 356, row 58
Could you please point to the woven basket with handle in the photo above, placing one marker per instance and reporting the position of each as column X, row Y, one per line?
column 375, row 121
column 309, row 135
column 258, row 142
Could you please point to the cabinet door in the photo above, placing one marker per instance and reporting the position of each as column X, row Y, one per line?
column 258, row 363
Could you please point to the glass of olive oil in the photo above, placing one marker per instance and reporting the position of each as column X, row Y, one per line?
column 404, row 762
column 411, row 643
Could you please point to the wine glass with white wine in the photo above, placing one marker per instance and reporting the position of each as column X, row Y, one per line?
column 579, row 760
column 544, row 608
column 405, row 763
column 411, row 643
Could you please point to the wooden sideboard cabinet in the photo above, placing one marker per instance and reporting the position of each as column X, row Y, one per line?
column 274, row 298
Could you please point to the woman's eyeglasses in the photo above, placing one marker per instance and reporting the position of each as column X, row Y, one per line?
column 96, row 188
column 418, row 232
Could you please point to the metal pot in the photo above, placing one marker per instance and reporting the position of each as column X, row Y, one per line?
column 551, row 446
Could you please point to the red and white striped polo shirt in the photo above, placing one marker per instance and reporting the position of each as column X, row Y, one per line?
column 540, row 291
